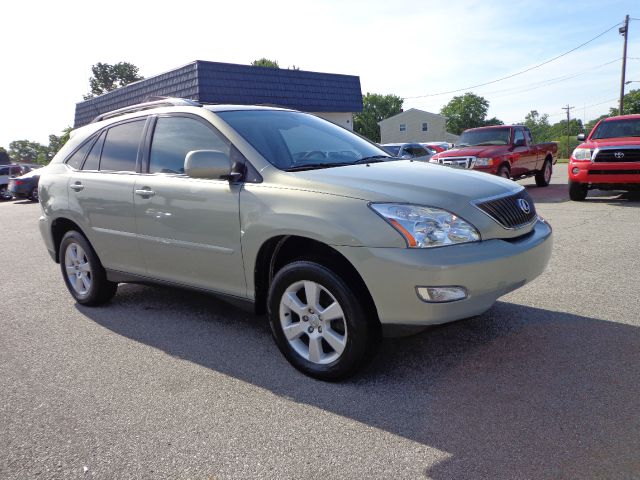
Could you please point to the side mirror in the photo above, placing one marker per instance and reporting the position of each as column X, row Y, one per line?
column 520, row 143
column 208, row 164
column 581, row 137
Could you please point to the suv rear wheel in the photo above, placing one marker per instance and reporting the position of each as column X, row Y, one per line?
column 318, row 322
column 82, row 271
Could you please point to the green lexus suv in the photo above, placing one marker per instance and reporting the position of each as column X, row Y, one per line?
column 321, row 229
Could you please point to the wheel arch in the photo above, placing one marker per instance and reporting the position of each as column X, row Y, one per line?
column 279, row 251
column 59, row 227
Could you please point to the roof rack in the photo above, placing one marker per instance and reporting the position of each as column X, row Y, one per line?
column 148, row 104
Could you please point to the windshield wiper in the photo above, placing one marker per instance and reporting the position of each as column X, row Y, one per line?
column 462, row 145
column 372, row 159
column 313, row 166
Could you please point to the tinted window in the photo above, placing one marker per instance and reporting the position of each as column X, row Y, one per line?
column 174, row 137
column 618, row 128
column 518, row 136
column 528, row 137
column 416, row 151
column 93, row 160
column 4, row 171
column 75, row 160
column 121, row 147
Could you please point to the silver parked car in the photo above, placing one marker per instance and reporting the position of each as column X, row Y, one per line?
column 293, row 214
column 409, row 151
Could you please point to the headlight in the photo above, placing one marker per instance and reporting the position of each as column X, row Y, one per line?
column 433, row 160
column 581, row 154
column 425, row 227
column 484, row 162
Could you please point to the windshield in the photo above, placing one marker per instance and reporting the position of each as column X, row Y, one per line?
column 392, row 149
column 294, row 140
column 618, row 128
column 489, row 136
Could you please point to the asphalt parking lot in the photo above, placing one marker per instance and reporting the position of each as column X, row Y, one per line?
column 166, row 384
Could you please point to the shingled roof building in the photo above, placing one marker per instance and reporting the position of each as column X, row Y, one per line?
column 331, row 96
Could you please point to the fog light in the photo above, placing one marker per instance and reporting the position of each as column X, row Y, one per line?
column 575, row 170
column 441, row 294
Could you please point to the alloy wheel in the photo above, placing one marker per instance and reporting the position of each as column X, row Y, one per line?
column 78, row 268
column 313, row 322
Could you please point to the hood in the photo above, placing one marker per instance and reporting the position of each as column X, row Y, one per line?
column 610, row 142
column 480, row 151
column 403, row 181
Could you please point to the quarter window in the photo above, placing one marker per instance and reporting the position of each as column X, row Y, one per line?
column 174, row 137
column 120, row 149
column 75, row 160
column 93, row 159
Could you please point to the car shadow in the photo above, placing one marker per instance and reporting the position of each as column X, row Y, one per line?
column 517, row 392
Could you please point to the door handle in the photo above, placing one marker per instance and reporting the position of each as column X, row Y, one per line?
column 145, row 192
column 76, row 186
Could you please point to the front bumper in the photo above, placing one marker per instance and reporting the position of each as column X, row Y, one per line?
column 486, row 269
column 601, row 174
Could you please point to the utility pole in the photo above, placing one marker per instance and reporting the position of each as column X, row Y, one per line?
column 568, row 109
column 624, row 31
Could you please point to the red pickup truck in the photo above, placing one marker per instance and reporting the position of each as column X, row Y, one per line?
column 508, row 151
column 609, row 159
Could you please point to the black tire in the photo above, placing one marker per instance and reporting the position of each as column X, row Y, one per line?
column 504, row 172
column 543, row 177
column 4, row 193
column 360, row 332
column 577, row 191
column 100, row 290
column 34, row 194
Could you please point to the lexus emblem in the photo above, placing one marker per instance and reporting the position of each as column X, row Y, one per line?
column 619, row 154
column 524, row 205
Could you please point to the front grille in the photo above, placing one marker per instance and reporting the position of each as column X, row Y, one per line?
column 459, row 162
column 508, row 211
column 619, row 155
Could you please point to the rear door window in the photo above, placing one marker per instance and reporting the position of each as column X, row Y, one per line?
column 120, row 150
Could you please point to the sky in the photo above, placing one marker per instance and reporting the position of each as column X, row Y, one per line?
column 410, row 48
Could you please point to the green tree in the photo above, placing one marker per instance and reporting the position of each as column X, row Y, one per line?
column 631, row 104
column 26, row 151
column 57, row 142
column 108, row 77
column 467, row 111
column 265, row 62
column 539, row 126
column 375, row 108
column 559, row 129
column 4, row 157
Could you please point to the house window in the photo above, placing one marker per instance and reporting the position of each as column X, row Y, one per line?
column 403, row 127
column 425, row 127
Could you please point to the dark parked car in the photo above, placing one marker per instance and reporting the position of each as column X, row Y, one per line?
column 6, row 173
column 25, row 186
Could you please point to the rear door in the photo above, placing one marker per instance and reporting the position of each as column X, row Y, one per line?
column 189, row 227
column 101, row 194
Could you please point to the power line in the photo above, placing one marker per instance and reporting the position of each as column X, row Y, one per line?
column 518, row 73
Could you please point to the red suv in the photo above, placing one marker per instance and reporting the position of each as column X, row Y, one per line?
column 609, row 159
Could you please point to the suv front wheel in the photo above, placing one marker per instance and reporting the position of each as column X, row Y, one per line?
column 318, row 322
column 82, row 271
